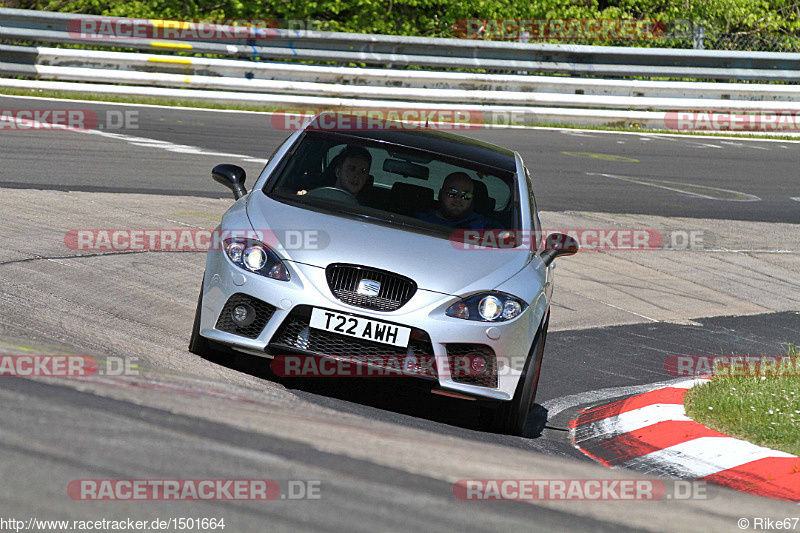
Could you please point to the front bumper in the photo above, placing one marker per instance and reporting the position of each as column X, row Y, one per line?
column 283, row 309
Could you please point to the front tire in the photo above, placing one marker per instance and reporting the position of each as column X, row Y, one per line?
column 198, row 344
column 510, row 417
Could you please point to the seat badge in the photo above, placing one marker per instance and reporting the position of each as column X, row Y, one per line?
column 368, row 287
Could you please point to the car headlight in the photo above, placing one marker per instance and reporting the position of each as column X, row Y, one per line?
column 488, row 307
column 255, row 256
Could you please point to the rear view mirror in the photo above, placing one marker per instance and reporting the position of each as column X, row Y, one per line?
column 232, row 177
column 405, row 169
column 558, row 244
column 414, row 158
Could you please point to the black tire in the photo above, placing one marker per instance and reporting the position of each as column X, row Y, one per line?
column 198, row 344
column 510, row 417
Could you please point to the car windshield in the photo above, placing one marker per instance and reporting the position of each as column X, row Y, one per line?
column 387, row 183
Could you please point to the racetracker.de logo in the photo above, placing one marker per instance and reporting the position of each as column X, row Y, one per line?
column 581, row 489
column 189, row 240
column 116, row 28
column 703, row 366
column 709, row 120
column 47, row 119
column 173, row 489
column 588, row 239
column 313, row 366
column 559, row 489
column 48, row 365
column 67, row 119
column 559, row 29
column 378, row 119
column 67, row 366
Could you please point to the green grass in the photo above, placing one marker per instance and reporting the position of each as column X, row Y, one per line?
column 144, row 100
column 175, row 102
column 762, row 409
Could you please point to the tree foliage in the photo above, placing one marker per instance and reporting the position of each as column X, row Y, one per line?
column 437, row 17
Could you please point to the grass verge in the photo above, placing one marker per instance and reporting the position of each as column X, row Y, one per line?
column 759, row 405
column 143, row 100
column 202, row 104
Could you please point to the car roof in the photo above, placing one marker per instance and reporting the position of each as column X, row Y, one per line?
column 422, row 138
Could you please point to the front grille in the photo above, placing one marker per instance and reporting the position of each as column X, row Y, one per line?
column 296, row 335
column 263, row 312
column 394, row 292
column 460, row 356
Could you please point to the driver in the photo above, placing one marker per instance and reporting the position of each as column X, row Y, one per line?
column 352, row 170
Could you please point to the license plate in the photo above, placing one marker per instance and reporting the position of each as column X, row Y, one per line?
column 361, row 328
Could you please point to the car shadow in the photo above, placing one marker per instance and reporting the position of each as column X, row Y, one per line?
column 402, row 400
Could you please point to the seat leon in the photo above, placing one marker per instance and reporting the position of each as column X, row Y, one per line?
column 386, row 249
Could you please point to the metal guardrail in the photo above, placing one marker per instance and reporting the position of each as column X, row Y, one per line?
column 242, row 76
column 536, row 98
column 73, row 64
column 397, row 51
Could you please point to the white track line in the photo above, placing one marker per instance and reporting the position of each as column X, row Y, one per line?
column 130, row 139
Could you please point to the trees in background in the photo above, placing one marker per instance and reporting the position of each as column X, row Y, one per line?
column 436, row 18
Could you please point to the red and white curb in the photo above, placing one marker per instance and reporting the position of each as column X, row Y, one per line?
column 651, row 433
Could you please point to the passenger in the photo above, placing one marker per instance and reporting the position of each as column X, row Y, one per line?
column 454, row 208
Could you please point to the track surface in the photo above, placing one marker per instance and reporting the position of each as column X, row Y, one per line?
column 766, row 169
column 211, row 428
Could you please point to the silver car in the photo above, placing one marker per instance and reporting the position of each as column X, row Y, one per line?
column 386, row 249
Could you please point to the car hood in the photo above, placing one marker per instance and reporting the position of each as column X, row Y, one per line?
column 319, row 239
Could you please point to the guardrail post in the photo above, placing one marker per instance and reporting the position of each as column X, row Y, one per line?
column 698, row 36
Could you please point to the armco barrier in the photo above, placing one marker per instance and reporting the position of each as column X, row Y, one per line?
column 384, row 93
column 538, row 98
column 264, row 70
column 442, row 53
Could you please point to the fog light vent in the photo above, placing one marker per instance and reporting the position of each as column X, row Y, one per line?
column 244, row 315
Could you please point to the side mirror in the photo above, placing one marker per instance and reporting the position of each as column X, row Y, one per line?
column 232, row 177
column 558, row 244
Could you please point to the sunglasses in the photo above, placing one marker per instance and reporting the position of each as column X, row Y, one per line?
column 464, row 195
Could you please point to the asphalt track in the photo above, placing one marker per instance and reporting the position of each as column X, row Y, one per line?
column 576, row 180
column 55, row 432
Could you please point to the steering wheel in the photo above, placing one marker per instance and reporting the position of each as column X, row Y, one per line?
column 332, row 194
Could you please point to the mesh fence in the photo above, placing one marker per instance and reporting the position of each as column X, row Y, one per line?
column 688, row 34
column 751, row 42
column 696, row 34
